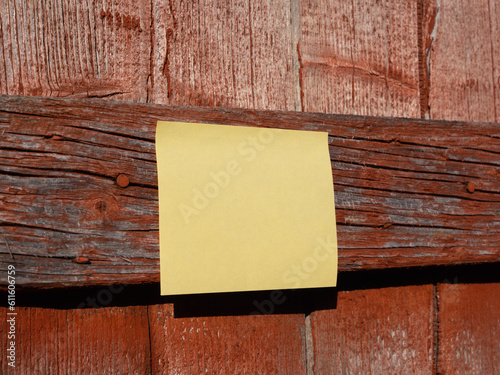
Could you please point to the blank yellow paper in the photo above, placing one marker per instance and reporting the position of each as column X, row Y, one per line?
column 244, row 208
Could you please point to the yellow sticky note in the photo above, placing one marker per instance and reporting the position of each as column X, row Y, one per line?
column 244, row 208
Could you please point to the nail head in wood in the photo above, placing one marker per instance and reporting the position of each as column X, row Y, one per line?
column 122, row 180
column 82, row 260
column 471, row 187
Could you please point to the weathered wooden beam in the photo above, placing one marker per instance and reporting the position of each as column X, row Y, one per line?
column 408, row 192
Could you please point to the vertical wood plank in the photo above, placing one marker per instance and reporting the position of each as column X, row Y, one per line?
column 82, row 341
column 94, row 48
column 494, row 18
column 226, row 345
column 363, row 58
column 360, row 58
column 464, row 61
column 230, row 54
column 376, row 331
column 90, row 48
column 219, row 53
column 469, row 328
column 464, row 81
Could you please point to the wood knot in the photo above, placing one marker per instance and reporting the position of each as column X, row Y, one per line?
column 100, row 206
column 471, row 187
column 122, row 180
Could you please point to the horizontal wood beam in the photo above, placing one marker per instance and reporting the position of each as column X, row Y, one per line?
column 79, row 201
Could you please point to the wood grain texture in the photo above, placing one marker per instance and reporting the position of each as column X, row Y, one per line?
column 259, row 344
column 209, row 54
column 366, row 58
column 360, row 58
column 469, row 329
column 91, row 48
column 82, row 341
column 464, row 61
column 401, row 185
column 375, row 331
column 230, row 54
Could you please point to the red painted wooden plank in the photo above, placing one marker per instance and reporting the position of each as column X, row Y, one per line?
column 258, row 344
column 364, row 58
column 463, row 51
column 219, row 53
column 464, row 61
column 375, row 331
column 77, row 48
column 81, row 49
column 360, row 58
column 81, row 341
column 469, row 329
column 217, row 56
column 232, row 54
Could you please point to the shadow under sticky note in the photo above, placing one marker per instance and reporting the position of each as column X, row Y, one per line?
column 244, row 208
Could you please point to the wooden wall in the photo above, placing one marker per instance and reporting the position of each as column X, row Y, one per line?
column 433, row 59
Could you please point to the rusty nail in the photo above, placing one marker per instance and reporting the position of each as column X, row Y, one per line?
column 82, row 260
column 471, row 187
column 122, row 180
